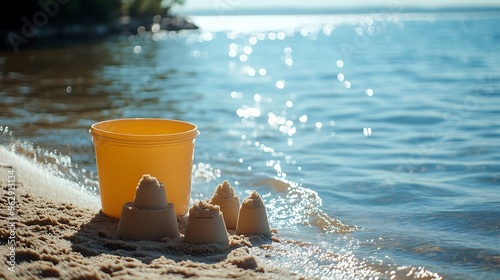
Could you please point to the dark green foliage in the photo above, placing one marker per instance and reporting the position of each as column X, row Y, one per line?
column 79, row 11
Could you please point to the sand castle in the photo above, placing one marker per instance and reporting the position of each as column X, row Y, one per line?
column 205, row 224
column 228, row 202
column 252, row 217
column 149, row 216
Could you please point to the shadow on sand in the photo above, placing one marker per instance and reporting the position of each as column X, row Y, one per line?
column 98, row 236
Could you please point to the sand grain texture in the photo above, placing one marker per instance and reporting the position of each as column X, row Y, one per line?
column 61, row 240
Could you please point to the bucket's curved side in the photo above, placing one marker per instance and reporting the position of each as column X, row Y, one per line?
column 121, row 167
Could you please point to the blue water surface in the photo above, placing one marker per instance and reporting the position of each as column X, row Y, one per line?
column 373, row 140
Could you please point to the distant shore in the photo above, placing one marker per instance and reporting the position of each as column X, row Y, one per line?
column 394, row 8
column 30, row 35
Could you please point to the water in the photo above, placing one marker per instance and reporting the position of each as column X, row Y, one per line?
column 372, row 138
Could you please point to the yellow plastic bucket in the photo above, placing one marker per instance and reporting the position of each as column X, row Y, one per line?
column 126, row 149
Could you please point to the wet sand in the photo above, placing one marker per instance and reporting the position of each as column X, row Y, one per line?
column 49, row 238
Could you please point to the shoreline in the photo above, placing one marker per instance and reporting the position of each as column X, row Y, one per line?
column 29, row 36
column 50, row 228
column 49, row 238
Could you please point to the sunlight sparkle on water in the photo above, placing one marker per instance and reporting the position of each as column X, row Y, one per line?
column 251, row 72
column 155, row 28
column 236, row 95
column 257, row 97
column 273, row 119
column 247, row 112
column 340, row 77
column 195, row 53
column 359, row 31
column 252, row 40
column 303, row 118
column 369, row 92
column 283, row 125
column 288, row 56
column 280, row 84
column 232, row 53
column 304, row 32
column 247, row 50
column 288, row 128
column 263, row 147
column 327, row 29
column 207, row 36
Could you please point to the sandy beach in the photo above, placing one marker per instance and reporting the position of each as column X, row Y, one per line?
column 42, row 237
column 64, row 241
column 51, row 227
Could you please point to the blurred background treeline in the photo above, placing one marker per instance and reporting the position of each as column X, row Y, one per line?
column 26, row 22
column 62, row 12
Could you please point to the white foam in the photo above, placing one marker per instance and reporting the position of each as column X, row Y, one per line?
column 38, row 180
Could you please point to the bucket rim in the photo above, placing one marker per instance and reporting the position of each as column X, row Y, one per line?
column 188, row 134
